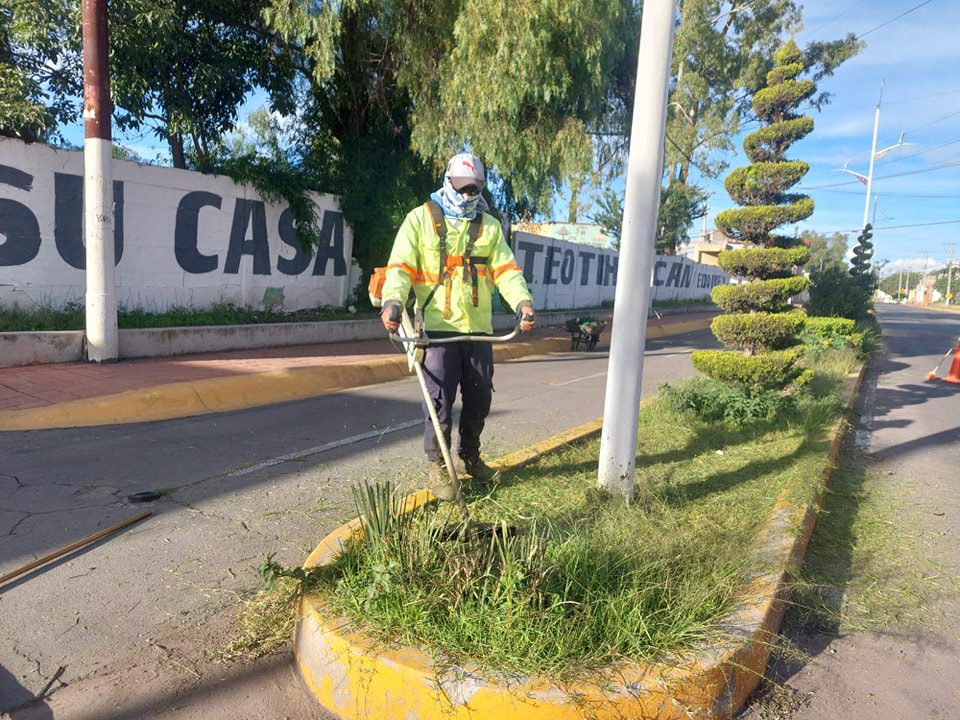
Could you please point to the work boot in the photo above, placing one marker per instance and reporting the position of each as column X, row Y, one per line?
column 476, row 468
column 439, row 481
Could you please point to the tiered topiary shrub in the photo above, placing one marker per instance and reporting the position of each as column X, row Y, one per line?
column 760, row 324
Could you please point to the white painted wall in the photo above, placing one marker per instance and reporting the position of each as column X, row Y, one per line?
column 562, row 274
column 40, row 195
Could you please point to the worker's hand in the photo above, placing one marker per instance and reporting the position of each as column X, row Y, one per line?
column 390, row 316
column 528, row 317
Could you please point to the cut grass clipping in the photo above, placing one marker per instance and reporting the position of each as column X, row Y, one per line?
column 586, row 581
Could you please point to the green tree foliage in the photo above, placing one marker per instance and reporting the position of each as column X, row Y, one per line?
column 825, row 251
column 767, row 370
column 183, row 68
column 836, row 293
column 679, row 205
column 860, row 266
column 774, row 263
column 759, row 323
column 722, row 53
column 40, row 67
column 397, row 87
column 895, row 282
column 762, row 186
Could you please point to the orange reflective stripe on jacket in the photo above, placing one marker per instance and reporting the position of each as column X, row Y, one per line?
column 498, row 271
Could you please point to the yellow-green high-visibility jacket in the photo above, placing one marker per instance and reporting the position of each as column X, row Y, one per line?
column 415, row 261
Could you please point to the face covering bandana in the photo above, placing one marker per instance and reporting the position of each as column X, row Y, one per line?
column 455, row 205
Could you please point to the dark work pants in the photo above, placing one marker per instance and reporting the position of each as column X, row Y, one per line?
column 469, row 366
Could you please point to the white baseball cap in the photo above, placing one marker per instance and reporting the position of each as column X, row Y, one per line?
column 464, row 170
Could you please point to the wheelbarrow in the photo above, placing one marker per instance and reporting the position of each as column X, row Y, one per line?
column 584, row 331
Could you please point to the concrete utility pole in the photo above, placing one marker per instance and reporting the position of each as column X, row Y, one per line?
column 621, row 410
column 101, row 301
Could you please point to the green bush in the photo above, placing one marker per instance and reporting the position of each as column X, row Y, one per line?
column 713, row 401
column 759, row 331
column 763, row 263
column 762, row 295
column 829, row 333
column 835, row 293
column 770, row 370
column 825, row 327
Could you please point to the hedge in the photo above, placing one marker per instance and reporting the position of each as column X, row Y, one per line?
column 770, row 370
column 759, row 331
column 763, row 263
column 760, row 295
column 827, row 327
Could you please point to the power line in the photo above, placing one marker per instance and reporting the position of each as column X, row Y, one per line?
column 932, row 122
column 835, row 17
column 884, row 24
column 892, row 227
column 941, row 166
column 888, row 195
column 891, row 102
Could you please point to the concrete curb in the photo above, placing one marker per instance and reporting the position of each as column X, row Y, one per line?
column 239, row 392
column 353, row 678
column 44, row 347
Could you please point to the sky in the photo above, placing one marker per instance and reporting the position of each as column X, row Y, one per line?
column 917, row 58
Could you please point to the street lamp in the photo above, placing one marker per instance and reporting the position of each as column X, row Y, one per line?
column 874, row 154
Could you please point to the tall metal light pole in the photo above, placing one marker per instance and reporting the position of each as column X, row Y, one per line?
column 621, row 410
column 950, row 247
column 101, row 299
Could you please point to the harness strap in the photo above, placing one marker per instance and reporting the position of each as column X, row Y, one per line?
column 440, row 227
column 473, row 232
column 466, row 261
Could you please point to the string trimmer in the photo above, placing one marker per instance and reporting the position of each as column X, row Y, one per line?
column 415, row 344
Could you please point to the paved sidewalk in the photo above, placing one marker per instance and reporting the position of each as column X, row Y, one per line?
column 82, row 394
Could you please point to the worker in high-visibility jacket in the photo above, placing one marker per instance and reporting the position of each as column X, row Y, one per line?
column 452, row 254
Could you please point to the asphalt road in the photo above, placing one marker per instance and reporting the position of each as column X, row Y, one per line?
column 907, row 441
column 273, row 479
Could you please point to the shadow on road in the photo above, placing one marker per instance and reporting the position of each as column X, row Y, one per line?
column 13, row 697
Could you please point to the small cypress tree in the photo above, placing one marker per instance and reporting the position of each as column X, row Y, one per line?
column 759, row 321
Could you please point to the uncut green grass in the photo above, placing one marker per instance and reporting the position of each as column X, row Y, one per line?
column 640, row 582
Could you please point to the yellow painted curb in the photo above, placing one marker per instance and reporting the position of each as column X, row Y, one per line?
column 242, row 391
column 355, row 678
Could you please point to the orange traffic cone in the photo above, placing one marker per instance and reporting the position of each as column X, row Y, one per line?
column 954, row 375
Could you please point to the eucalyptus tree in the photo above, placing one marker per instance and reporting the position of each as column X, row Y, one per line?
column 399, row 86
column 722, row 52
column 40, row 67
column 183, row 69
